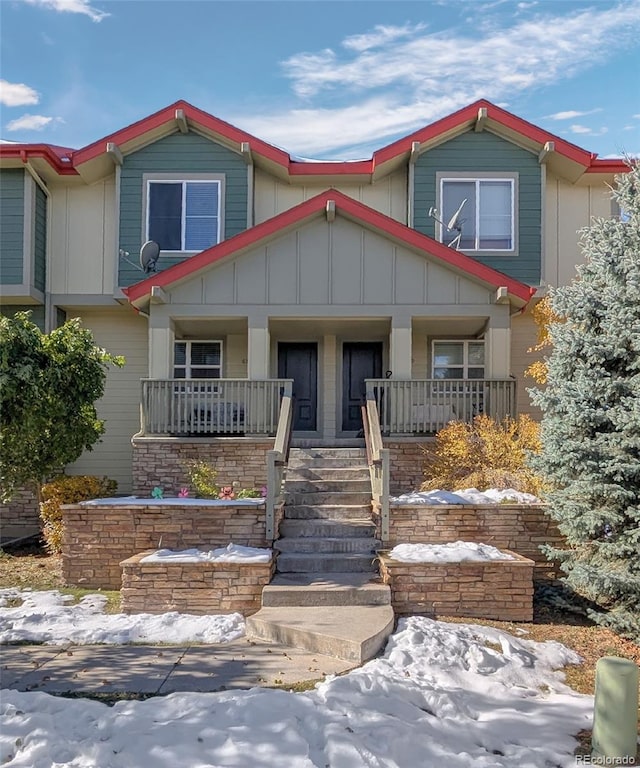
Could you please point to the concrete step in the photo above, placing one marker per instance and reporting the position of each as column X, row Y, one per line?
column 362, row 485
column 355, row 462
column 353, row 633
column 325, row 474
column 314, row 589
column 328, row 545
column 320, row 527
column 327, row 453
column 328, row 497
column 293, row 562
column 336, row 512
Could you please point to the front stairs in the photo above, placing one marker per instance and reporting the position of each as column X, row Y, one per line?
column 326, row 596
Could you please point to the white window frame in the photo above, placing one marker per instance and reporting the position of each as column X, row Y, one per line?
column 183, row 178
column 188, row 364
column 465, row 358
column 478, row 179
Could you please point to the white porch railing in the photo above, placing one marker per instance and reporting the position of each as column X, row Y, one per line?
column 211, row 406
column 424, row 406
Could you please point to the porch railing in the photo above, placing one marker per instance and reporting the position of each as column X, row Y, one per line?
column 276, row 463
column 424, row 406
column 378, row 461
column 211, row 406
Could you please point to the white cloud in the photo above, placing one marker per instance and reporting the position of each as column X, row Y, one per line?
column 17, row 94
column 32, row 123
column 71, row 6
column 589, row 131
column 392, row 80
column 571, row 114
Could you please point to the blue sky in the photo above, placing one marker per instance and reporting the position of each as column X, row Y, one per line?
column 331, row 79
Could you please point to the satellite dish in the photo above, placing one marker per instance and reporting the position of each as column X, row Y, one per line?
column 454, row 222
column 149, row 254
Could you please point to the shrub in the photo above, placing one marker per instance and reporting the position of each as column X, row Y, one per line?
column 203, row 478
column 69, row 489
column 485, row 454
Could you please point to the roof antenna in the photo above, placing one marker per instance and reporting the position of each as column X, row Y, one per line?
column 453, row 225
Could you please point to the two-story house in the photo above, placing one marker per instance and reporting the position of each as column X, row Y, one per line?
column 411, row 274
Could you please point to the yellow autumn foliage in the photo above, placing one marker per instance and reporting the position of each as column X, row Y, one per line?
column 544, row 316
column 485, row 454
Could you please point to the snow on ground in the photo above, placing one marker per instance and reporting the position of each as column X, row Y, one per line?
column 439, row 697
column 456, row 552
column 232, row 553
column 466, row 496
column 46, row 617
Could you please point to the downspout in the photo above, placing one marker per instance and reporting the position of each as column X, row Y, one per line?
column 48, row 319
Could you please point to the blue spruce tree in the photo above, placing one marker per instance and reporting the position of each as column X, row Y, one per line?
column 591, row 417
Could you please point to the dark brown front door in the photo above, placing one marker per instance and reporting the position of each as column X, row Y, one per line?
column 360, row 360
column 299, row 361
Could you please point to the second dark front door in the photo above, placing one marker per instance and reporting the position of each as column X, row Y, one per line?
column 360, row 360
column 299, row 361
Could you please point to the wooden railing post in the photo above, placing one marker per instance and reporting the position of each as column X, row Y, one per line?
column 273, row 494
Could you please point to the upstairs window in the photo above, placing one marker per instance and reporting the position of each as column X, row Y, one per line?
column 197, row 360
column 458, row 359
column 487, row 217
column 183, row 215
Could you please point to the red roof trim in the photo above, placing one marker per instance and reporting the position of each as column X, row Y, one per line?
column 611, row 165
column 345, row 205
column 51, row 153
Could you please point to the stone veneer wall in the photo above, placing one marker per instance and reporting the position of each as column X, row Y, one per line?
column 197, row 588
column 21, row 512
column 406, row 464
column 518, row 527
column 492, row 589
column 97, row 538
column 163, row 461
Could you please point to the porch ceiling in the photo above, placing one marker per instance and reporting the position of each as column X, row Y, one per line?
column 208, row 328
column 346, row 327
column 449, row 326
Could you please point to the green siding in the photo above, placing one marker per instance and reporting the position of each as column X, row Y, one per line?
column 11, row 226
column 37, row 312
column 485, row 152
column 40, row 241
column 178, row 153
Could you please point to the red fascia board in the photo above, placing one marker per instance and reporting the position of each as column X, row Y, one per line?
column 167, row 115
column 25, row 152
column 611, row 165
column 470, row 113
column 310, row 207
column 320, row 168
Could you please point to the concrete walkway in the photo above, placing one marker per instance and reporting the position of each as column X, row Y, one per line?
column 145, row 669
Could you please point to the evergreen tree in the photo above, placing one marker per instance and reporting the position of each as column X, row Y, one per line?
column 48, row 386
column 591, row 417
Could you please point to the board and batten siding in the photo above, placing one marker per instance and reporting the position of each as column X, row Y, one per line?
column 388, row 195
column 40, row 240
column 120, row 332
column 524, row 333
column 337, row 263
column 12, row 182
column 486, row 153
column 175, row 154
column 83, row 238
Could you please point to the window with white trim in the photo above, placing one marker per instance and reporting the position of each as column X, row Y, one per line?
column 197, row 360
column 487, row 218
column 183, row 215
column 462, row 359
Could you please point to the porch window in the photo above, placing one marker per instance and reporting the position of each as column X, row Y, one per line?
column 487, row 215
column 183, row 215
column 458, row 359
column 197, row 360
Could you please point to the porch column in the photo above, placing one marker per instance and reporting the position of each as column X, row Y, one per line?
column 161, row 341
column 258, row 347
column 400, row 347
column 498, row 344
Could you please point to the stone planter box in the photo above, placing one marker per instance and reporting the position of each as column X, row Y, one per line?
column 520, row 528
column 97, row 537
column 491, row 589
column 196, row 588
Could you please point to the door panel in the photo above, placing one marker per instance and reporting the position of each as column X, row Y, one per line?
column 360, row 361
column 299, row 361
